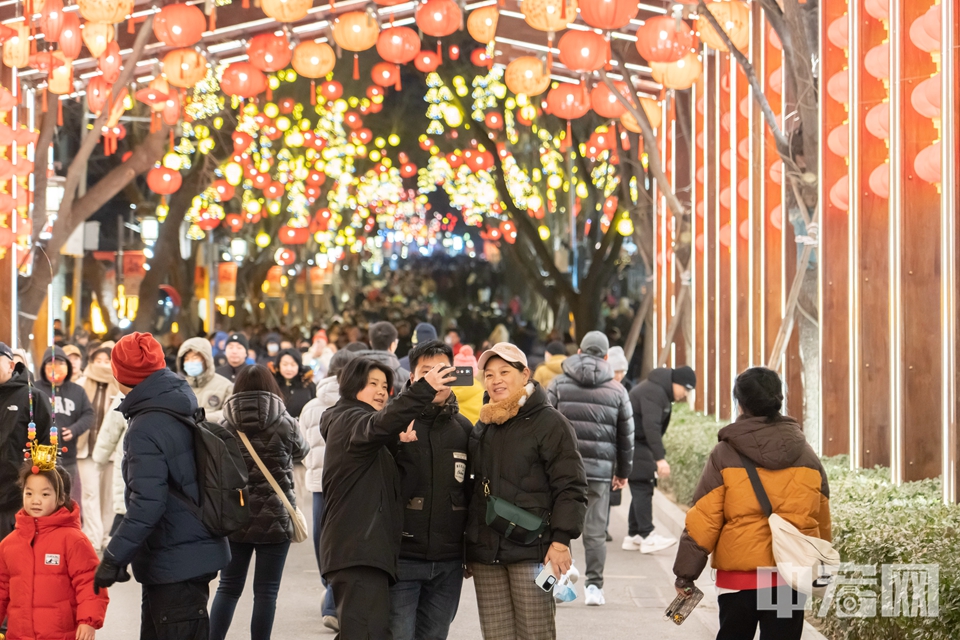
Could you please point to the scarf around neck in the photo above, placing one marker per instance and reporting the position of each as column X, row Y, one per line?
column 500, row 412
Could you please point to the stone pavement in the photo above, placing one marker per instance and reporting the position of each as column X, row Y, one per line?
column 637, row 590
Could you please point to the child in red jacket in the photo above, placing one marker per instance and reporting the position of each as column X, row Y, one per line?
column 47, row 566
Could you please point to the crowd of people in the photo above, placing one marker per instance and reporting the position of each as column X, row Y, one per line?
column 419, row 478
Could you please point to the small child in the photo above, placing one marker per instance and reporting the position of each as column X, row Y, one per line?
column 47, row 565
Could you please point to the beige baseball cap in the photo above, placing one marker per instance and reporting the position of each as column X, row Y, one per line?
column 503, row 350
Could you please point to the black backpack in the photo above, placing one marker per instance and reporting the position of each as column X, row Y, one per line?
column 221, row 474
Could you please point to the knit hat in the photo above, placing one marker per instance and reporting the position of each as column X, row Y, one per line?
column 617, row 359
column 135, row 358
column 556, row 348
column 424, row 332
column 240, row 339
column 465, row 358
column 684, row 376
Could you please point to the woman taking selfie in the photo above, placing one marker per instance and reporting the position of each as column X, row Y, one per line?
column 526, row 470
column 363, row 512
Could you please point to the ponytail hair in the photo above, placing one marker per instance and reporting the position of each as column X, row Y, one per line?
column 759, row 392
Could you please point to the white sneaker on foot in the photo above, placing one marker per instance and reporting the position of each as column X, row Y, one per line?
column 594, row 596
column 331, row 622
column 631, row 543
column 656, row 542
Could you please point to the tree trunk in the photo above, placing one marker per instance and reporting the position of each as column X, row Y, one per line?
column 809, row 335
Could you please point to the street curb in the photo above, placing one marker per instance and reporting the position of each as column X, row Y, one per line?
column 667, row 513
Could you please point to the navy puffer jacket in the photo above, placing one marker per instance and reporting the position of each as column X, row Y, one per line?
column 161, row 535
column 599, row 409
column 277, row 440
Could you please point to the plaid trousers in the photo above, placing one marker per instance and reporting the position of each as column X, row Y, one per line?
column 512, row 606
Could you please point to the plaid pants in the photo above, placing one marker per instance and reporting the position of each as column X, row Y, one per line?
column 512, row 606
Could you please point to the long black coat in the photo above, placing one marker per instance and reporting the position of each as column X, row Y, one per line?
column 14, row 418
column 276, row 438
column 161, row 534
column 601, row 414
column 363, row 513
column 652, row 402
column 532, row 461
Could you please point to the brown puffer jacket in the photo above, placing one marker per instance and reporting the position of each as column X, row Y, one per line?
column 726, row 519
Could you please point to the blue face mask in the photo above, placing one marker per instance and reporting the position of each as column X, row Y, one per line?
column 563, row 592
column 193, row 368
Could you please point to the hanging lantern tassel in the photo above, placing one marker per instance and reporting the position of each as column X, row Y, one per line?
column 172, row 145
column 213, row 18
column 398, row 86
column 563, row 9
column 245, row 4
column 567, row 141
column 333, row 5
column 43, row 99
column 356, row 67
column 130, row 26
column 550, row 51
column 313, row 93
column 609, row 64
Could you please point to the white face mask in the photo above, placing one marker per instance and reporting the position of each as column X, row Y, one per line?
column 273, row 348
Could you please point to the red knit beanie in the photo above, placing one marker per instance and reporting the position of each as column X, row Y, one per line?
column 135, row 358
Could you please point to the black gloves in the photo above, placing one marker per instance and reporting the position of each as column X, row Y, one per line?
column 107, row 574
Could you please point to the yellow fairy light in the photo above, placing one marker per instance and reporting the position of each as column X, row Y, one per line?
column 554, row 181
column 218, row 123
column 452, row 116
column 206, row 145
column 544, row 232
column 253, row 207
column 233, row 173
column 271, row 110
column 263, row 239
column 274, row 82
column 534, row 202
column 273, row 207
column 394, row 140
column 510, row 103
column 353, row 101
column 173, row 161
column 375, row 155
column 380, row 143
column 582, row 190
column 522, row 99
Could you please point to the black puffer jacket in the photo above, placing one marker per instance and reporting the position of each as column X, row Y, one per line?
column 532, row 461
column 433, row 471
column 277, row 440
column 298, row 391
column 14, row 419
column 363, row 515
column 599, row 409
column 652, row 402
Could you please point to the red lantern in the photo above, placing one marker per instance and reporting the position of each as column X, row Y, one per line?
column 97, row 91
column 171, row 109
column 374, row 91
column 479, row 160
column 207, row 221
column 838, row 87
column 234, row 222
column 479, row 57
column 241, row 141
column 385, row 74
column 364, row 136
column 606, row 103
column 880, row 181
column 426, row 144
column 269, row 52
column 840, row 194
column 243, row 80
column 331, row 90
column 163, row 180
column 352, row 120
column 70, row 39
column 877, row 120
column 398, row 45
column 509, row 231
column 51, row 20
column 494, row 120
column 408, row 170
column 665, row 39
column 608, row 15
column 293, row 235
column 179, row 25
column 776, row 218
column 877, row 61
column 426, row 61
column 274, row 191
column 223, row 189
column 438, row 18
column 583, row 51
column 725, row 235
column 838, row 140
column 838, row 33
column 567, row 102
column 927, row 163
column 110, row 62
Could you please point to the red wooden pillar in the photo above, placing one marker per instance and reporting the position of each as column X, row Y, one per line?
column 727, row 237
column 711, row 227
column 774, row 218
column 699, row 272
column 740, row 214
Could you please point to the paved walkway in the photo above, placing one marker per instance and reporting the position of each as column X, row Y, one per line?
column 637, row 589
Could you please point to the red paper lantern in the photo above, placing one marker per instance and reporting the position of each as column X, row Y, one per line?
column 398, row 45
column 171, row 109
column 877, row 61
column 479, row 160
column 97, row 91
column 840, row 194
column 207, row 221
column 606, row 103
column 880, row 181
column 243, row 80
column 838, row 87
column 223, row 189
column 179, row 25
column 331, row 90
column 877, row 120
column 385, row 74
column 583, row 51
column 745, row 229
column 776, row 218
column 479, row 57
column 838, row 140
column 408, row 170
column 927, row 163
column 426, row 61
column 269, row 52
column 273, row 191
column 665, row 39
column 494, row 120
column 241, row 141
column 838, row 33
column 725, row 235
column 608, row 15
column 70, row 39
column 438, row 18
column 293, row 235
column 920, row 97
column 51, row 20
column 234, row 222
column 110, row 61
column 567, row 102
column 163, row 180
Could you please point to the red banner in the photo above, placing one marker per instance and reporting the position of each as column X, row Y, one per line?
column 227, row 280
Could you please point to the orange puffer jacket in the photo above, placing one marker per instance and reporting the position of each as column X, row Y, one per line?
column 46, row 578
column 726, row 519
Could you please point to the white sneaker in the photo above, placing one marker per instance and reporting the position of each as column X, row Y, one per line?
column 631, row 543
column 656, row 542
column 594, row 596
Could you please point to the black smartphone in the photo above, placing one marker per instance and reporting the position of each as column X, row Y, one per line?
column 464, row 377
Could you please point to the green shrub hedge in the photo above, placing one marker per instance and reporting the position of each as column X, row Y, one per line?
column 875, row 522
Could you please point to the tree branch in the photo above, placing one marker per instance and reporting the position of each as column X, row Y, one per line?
column 40, row 178
column 774, row 15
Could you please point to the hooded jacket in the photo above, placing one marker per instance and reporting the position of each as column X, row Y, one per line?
column 211, row 389
column 71, row 407
column 46, row 578
column 363, row 514
column 601, row 414
column 267, row 358
column 532, row 462
column 276, row 438
column 470, row 400
column 298, row 391
column 14, row 418
column 433, row 471
column 390, row 361
column 328, row 393
column 161, row 535
column 101, row 388
column 550, row 369
column 108, row 449
column 726, row 519
column 652, row 402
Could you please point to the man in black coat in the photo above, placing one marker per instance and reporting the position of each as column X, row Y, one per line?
column 174, row 556
column 15, row 396
column 652, row 402
column 235, row 351
column 599, row 409
column 432, row 460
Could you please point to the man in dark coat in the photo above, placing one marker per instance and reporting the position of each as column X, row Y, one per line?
column 433, row 463
column 423, row 333
column 173, row 554
column 601, row 414
column 15, row 397
column 383, row 345
column 652, row 402
column 235, row 351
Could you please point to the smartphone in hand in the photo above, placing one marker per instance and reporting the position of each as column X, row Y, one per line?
column 464, row 377
column 681, row 607
column 546, row 579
